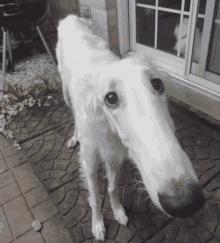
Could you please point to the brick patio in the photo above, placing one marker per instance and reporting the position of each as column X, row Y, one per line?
column 42, row 182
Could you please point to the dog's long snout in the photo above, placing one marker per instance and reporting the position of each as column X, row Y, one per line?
column 179, row 200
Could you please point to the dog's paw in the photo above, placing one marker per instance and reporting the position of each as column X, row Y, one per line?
column 98, row 230
column 72, row 142
column 120, row 215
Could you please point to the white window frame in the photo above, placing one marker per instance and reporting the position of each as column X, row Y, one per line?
column 193, row 90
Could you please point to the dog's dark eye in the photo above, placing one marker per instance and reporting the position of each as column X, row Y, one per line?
column 111, row 99
column 157, row 84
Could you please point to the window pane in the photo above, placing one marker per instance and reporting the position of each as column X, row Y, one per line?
column 173, row 4
column 148, row 2
column 183, row 38
column 202, row 6
column 167, row 23
column 214, row 60
column 197, row 40
column 145, row 26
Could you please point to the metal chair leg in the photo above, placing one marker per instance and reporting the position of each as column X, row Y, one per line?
column 46, row 46
column 10, row 51
column 4, row 30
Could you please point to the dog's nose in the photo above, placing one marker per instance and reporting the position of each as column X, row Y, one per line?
column 182, row 201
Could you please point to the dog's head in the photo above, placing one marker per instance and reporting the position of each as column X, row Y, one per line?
column 130, row 95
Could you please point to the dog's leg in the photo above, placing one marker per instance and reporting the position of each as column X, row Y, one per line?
column 113, row 173
column 66, row 94
column 90, row 162
column 74, row 139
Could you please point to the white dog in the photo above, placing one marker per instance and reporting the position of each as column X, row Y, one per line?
column 120, row 111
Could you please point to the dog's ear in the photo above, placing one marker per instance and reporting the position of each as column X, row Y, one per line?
column 93, row 108
column 89, row 102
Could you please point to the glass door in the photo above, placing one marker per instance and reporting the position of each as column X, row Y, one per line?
column 162, row 30
column 206, row 47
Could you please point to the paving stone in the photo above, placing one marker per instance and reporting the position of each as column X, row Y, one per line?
column 210, row 216
column 45, row 175
column 16, row 131
column 72, row 185
column 203, row 234
column 157, row 238
column 108, row 214
column 190, row 152
column 87, row 230
column 52, row 184
column 50, row 137
column 6, row 178
column 54, row 230
column 64, row 156
column 63, row 207
column 18, row 215
column 214, row 153
column 70, row 220
column 5, row 233
column 61, row 164
column 68, row 177
column 142, row 220
column 78, row 234
column 36, row 119
column 21, row 137
column 204, row 179
column 16, row 159
column 181, row 126
column 171, row 229
column 189, row 142
column 48, row 145
column 51, row 156
column 74, row 166
column 212, row 172
column 57, row 147
column 206, row 164
column 13, row 126
column 39, row 156
column 124, row 234
column 202, row 140
column 27, row 130
column 83, row 198
column 47, row 165
column 57, row 174
column 56, row 114
column 54, row 121
column 28, row 144
column 31, row 124
column 187, row 236
column 111, row 229
column 45, row 121
column 217, row 163
column 148, row 232
column 201, row 153
column 35, row 196
column 25, row 177
column 44, row 210
column 37, row 168
column 58, row 195
column 9, row 192
column 8, row 151
column 30, row 237
column 41, row 126
column 159, row 219
column 214, row 144
column 3, row 165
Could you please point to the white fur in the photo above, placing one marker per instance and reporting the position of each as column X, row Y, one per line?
column 140, row 127
column 197, row 42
